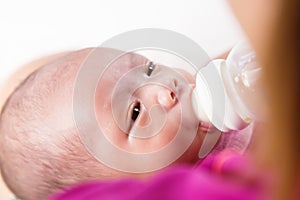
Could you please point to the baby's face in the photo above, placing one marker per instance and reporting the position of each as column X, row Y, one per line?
column 141, row 106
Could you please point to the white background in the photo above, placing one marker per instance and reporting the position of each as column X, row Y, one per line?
column 30, row 29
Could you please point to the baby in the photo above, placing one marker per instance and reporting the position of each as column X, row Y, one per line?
column 43, row 148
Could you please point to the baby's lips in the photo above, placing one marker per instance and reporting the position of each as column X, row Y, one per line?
column 192, row 85
column 205, row 126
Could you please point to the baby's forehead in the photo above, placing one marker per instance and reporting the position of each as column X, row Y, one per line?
column 58, row 63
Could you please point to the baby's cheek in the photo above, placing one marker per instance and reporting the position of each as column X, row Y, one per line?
column 170, row 128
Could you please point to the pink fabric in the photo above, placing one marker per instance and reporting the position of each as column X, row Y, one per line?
column 219, row 176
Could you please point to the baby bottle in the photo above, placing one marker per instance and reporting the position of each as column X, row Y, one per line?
column 228, row 93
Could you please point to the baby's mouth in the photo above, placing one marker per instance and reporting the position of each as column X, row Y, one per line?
column 206, row 127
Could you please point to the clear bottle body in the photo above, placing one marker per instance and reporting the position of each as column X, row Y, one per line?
column 243, row 83
column 241, row 95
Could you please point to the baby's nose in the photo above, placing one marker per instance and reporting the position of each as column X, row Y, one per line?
column 166, row 98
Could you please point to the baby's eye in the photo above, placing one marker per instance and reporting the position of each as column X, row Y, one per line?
column 136, row 111
column 150, row 68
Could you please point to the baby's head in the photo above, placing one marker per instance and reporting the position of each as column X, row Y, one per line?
column 41, row 149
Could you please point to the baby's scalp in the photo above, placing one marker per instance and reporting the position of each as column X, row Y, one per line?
column 40, row 151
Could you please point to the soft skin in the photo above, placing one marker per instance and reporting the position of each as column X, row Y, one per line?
column 40, row 150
